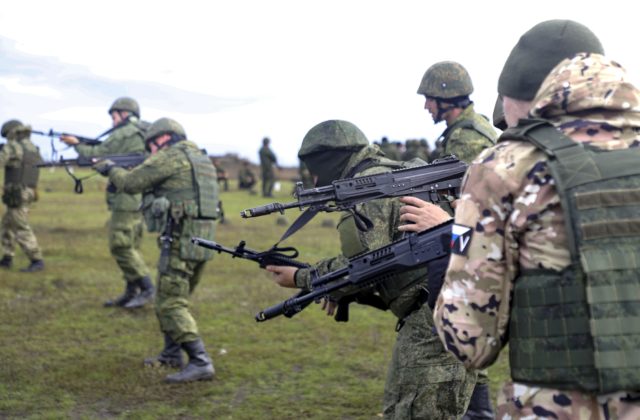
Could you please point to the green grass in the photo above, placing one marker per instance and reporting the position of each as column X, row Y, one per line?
column 62, row 355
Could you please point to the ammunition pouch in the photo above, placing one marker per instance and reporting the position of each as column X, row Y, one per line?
column 202, row 228
column 155, row 211
column 12, row 196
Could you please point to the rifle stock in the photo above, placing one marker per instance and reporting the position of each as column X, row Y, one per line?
column 366, row 270
column 427, row 182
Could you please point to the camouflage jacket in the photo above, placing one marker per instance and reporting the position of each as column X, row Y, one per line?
column 510, row 204
column 11, row 155
column 267, row 158
column 126, row 139
column 385, row 215
column 465, row 141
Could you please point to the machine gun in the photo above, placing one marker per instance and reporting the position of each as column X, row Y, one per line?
column 371, row 268
column 81, row 139
column 122, row 161
column 274, row 256
column 426, row 182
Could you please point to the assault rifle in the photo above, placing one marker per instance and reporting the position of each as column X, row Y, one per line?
column 274, row 256
column 57, row 134
column 370, row 268
column 426, row 182
column 122, row 161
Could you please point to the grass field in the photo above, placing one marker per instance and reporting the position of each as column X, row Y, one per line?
column 63, row 355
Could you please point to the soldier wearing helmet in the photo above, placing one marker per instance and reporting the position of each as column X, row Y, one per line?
column 19, row 158
column 126, row 225
column 268, row 160
column 180, row 201
column 423, row 381
column 545, row 240
column 446, row 87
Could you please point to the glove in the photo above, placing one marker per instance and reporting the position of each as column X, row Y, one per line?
column 104, row 166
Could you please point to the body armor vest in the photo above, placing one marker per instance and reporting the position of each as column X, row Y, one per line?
column 580, row 328
column 27, row 173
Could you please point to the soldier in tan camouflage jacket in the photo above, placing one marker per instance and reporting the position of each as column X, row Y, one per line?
column 509, row 222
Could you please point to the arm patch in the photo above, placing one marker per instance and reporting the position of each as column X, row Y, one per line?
column 460, row 239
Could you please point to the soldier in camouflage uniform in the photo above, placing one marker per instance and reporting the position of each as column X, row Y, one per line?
column 446, row 87
column 545, row 241
column 246, row 177
column 18, row 157
column 181, row 201
column 126, row 224
column 423, row 381
column 267, row 161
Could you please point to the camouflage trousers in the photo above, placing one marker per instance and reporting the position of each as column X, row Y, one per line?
column 424, row 381
column 175, row 285
column 125, row 236
column 15, row 228
column 517, row 401
column 268, row 179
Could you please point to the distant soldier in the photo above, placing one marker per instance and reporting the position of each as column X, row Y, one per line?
column 126, row 225
column 412, row 150
column 267, row 161
column 305, row 175
column 222, row 175
column 389, row 149
column 180, row 183
column 446, row 87
column 423, row 150
column 246, row 177
column 19, row 158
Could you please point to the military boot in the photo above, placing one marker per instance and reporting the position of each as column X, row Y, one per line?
column 199, row 368
column 6, row 261
column 171, row 355
column 35, row 265
column 147, row 292
column 130, row 291
column 480, row 404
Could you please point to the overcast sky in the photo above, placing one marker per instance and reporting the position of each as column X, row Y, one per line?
column 235, row 71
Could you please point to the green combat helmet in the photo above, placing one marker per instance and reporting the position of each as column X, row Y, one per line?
column 327, row 148
column 164, row 126
column 126, row 104
column 332, row 135
column 446, row 79
column 537, row 53
column 9, row 126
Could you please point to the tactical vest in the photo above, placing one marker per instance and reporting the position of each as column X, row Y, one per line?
column 27, row 173
column 579, row 328
column 350, row 242
column 201, row 201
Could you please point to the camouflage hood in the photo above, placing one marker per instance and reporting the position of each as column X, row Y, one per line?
column 590, row 98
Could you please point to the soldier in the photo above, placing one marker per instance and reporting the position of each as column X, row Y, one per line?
column 19, row 158
column 126, row 224
column 179, row 183
column 423, row 381
column 246, row 177
column 267, row 161
column 545, row 243
column 389, row 149
column 222, row 175
column 446, row 87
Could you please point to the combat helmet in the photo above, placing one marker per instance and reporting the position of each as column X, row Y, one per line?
column 538, row 51
column 9, row 126
column 446, row 80
column 164, row 126
column 126, row 104
column 332, row 135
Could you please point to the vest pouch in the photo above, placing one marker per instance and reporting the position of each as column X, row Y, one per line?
column 202, row 228
column 12, row 195
column 155, row 212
